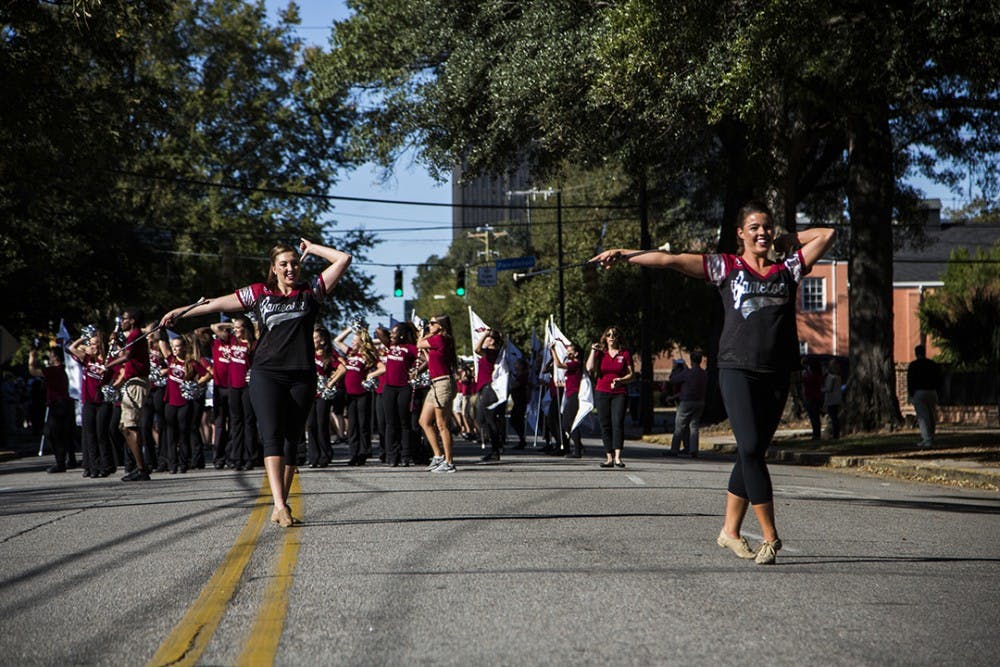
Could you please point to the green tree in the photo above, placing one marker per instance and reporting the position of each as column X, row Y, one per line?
column 156, row 151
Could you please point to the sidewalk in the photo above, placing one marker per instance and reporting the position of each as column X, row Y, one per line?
column 971, row 464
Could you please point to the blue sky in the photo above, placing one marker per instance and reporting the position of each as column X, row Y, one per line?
column 409, row 182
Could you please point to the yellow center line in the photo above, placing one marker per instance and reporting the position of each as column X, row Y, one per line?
column 262, row 646
column 190, row 637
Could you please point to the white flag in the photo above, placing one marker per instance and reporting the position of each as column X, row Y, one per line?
column 586, row 401
column 500, row 380
column 74, row 371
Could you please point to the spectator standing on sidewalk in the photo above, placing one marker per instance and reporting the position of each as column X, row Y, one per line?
column 833, row 396
column 923, row 381
column 690, row 405
column 812, row 395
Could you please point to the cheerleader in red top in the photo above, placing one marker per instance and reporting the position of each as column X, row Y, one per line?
column 758, row 348
column 435, row 415
column 284, row 372
column 98, row 460
column 242, row 452
column 490, row 417
column 182, row 368
column 58, row 407
column 220, row 391
column 613, row 365
column 360, row 365
column 319, row 452
column 400, row 360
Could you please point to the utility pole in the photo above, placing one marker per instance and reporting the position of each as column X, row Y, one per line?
column 559, row 242
column 486, row 235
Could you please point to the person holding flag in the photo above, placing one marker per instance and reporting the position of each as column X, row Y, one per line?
column 58, row 406
column 490, row 410
column 572, row 379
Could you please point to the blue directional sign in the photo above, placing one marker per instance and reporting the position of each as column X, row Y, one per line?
column 514, row 263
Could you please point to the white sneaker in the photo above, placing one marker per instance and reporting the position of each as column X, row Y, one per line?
column 444, row 467
column 435, row 462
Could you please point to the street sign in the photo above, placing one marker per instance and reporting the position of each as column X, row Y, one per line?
column 487, row 276
column 514, row 263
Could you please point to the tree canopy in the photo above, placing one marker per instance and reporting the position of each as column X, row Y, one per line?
column 155, row 151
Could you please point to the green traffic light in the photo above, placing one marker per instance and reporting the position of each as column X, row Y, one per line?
column 460, row 291
column 397, row 292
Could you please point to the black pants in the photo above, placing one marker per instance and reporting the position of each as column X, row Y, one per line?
column 520, row 397
column 379, row 423
column 220, row 406
column 242, row 428
column 754, row 403
column 178, row 436
column 59, row 432
column 491, row 421
column 281, row 402
column 97, row 456
column 568, row 416
column 611, row 415
column 194, row 435
column 398, row 427
column 359, row 426
column 121, row 453
column 152, row 415
column 318, row 425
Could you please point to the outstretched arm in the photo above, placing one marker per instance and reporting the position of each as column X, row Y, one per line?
column 220, row 304
column 686, row 263
column 339, row 261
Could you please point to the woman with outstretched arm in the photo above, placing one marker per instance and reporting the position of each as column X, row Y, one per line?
column 284, row 374
column 757, row 350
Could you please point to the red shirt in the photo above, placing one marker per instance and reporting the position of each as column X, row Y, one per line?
column 356, row 373
column 176, row 374
column 56, row 384
column 93, row 378
column 439, row 356
column 220, row 362
column 239, row 363
column 484, row 367
column 137, row 365
column 399, row 359
column 574, row 374
column 611, row 367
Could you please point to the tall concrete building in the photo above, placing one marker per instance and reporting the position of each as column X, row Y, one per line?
column 491, row 200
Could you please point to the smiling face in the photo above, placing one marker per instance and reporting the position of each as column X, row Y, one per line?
column 757, row 234
column 177, row 347
column 286, row 269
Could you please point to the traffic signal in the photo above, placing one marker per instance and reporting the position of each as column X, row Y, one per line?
column 460, row 282
column 397, row 283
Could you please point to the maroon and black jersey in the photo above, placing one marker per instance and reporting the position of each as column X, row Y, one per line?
column 758, row 330
column 286, row 324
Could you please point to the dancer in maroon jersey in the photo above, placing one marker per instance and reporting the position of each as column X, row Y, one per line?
column 284, row 372
column 757, row 350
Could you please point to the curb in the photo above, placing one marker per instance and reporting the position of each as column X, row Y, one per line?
column 940, row 470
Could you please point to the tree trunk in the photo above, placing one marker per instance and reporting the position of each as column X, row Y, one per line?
column 871, row 402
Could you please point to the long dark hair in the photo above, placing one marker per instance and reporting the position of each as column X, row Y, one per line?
column 272, row 279
column 618, row 335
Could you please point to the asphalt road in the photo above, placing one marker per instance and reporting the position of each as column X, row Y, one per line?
column 533, row 561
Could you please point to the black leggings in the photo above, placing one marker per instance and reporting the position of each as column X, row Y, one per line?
column 754, row 402
column 220, row 408
column 177, row 435
column 319, row 452
column 491, row 422
column 152, row 413
column 359, row 425
column 282, row 402
column 242, row 427
column 611, row 414
column 396, row 402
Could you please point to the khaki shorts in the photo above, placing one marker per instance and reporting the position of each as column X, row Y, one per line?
column 441, row 393
column 133, row 396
